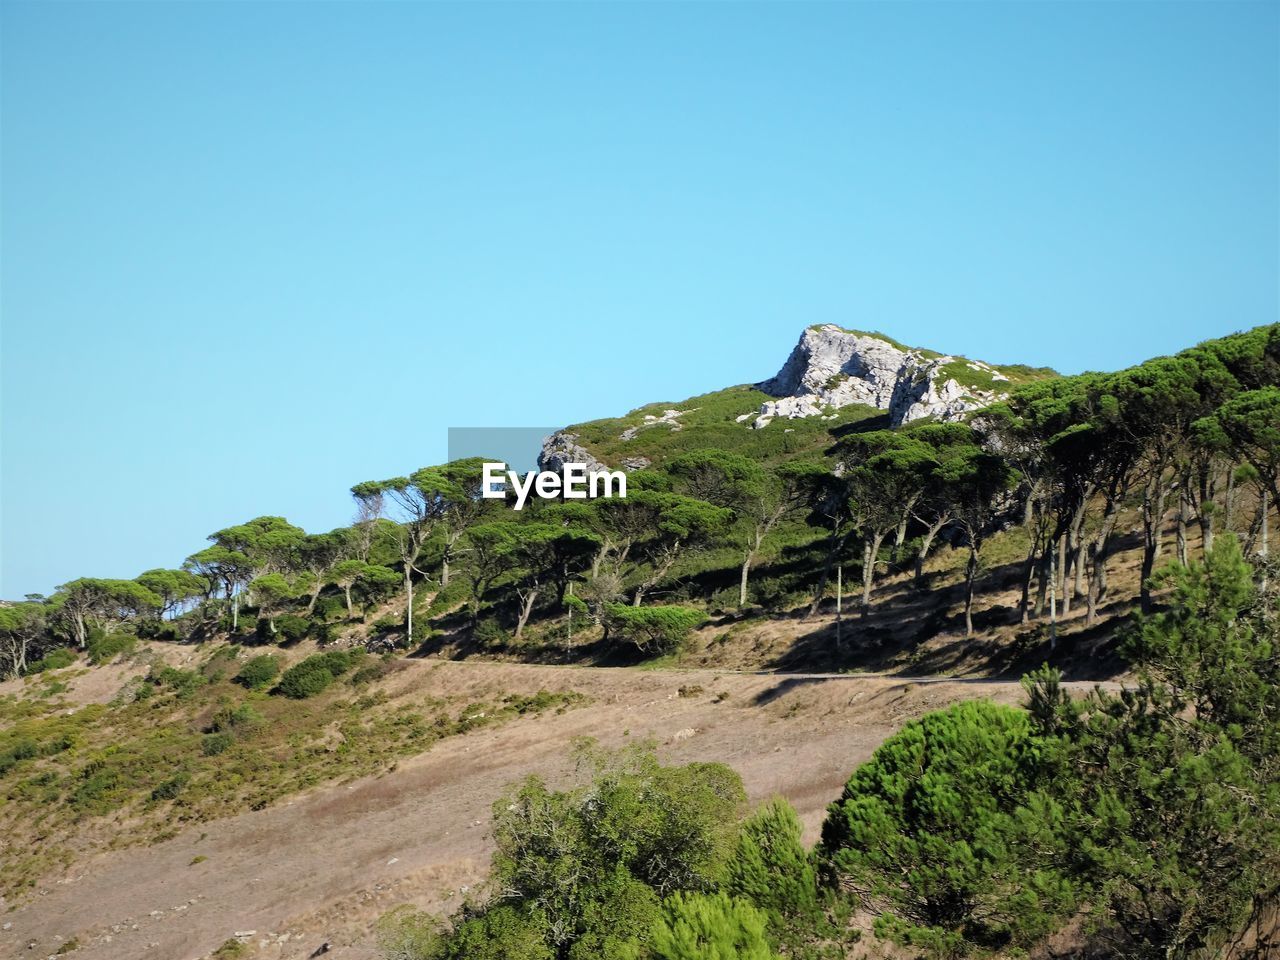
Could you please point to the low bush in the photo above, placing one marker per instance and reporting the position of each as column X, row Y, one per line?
column 290, row 628
column 214, row 744
column 237, row 720
column 771, row 867
column 171, row 787
column 314, row 674
column 488, row 633
column 182, row 682
column 53, row 660
column 259, row 671
column 106, row 647
column 653, row 630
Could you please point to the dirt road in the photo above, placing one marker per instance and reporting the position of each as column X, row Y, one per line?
column 319, row 869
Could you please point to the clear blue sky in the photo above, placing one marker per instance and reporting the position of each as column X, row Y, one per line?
column 255, row 253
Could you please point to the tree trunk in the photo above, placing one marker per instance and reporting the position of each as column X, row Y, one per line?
column 659, row 572
column 1153, row 497
column 1099, row 550
column 1182, row 520
column 1229, row 510
column 900, row 536
column 837, row 548
column 870, row 551
column 1028, row 574
column 315, row 595
column 408, row 593
column 1046, row 572
column 742, row 581
column 350, row 612
column 1204, row 513
column 1075, row 556
column 526, row 608
column 970, row 575
column 931, row 532
column 1266, row 523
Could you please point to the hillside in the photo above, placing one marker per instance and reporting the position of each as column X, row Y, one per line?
column 835, row 380
column 805, row 574
column 323, row 863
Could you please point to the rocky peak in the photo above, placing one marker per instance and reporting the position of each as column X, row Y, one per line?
column 832, row 367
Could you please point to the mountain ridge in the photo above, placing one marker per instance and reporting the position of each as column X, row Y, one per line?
column 832, row 377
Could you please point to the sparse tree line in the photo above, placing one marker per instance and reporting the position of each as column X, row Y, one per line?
column 1189, row 442
column 1139, row 825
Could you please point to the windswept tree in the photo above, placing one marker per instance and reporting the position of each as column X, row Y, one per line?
column 978, row 484
column 23, row 636
column 934, row 508
column 316, row 556
column 356, row 574
column 417, row 505
column 462, row 506
column 273, row 592
column 92, row 602
column 547, row 556
column 1249, row 426
column 673, row 525
column 758, row 496
column 885, row 475
column 245, row 552
column 177, row 589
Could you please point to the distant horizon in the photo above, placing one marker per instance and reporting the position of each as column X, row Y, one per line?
column 255, row 253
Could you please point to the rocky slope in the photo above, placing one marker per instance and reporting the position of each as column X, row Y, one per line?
column 832, row 368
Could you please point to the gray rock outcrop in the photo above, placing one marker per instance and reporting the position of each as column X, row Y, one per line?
column 832, row 368
column 563, row 447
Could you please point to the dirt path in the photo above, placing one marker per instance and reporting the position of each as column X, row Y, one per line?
column 320, row 868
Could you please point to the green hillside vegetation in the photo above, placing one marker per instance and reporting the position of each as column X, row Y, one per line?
column 977, row 831
column 1150, row 820
column 710, row 422
column 729, row 519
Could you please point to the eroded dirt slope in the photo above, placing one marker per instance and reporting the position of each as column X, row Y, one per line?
column 320, row 868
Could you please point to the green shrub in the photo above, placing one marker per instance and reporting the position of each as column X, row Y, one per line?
column 11, row 756
column 237, row 720
column 330, row 607
column 488, row 633
column 290, row 628
column 53, row 660
column 653, row 630
column 259, row 671
column 407, row 933
column 591, row 863
column 172, row 787
column 106, row 647
column 932, row 825
column 299, row 683
column 163, row 630
column 770, row 867
column 701, row 926
column 182, row 682
column 499, row 933
column 314, row 674
column 214, row 744
column 371, row 673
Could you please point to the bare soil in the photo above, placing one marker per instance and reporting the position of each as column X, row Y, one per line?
column 322, row 867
